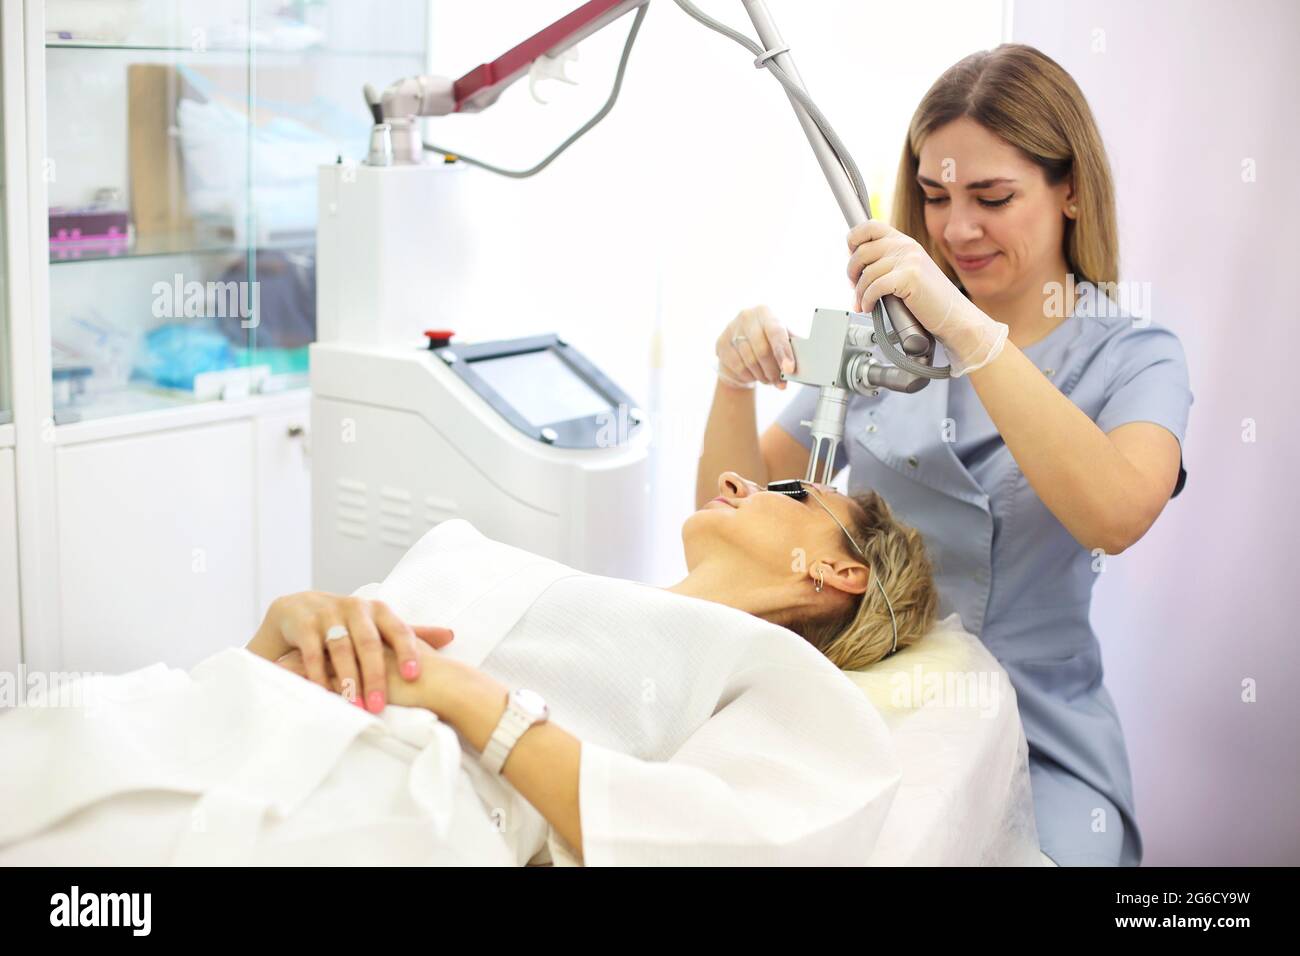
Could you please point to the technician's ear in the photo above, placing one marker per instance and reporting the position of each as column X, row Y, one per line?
column 1071, row 209
column 851, row 577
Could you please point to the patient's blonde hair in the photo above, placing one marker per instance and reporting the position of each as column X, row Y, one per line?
column 864, row 634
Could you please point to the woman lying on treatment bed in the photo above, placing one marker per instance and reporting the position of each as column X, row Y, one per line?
column 703, row 723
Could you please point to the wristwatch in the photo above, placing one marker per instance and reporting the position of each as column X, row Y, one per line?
column 523, row 709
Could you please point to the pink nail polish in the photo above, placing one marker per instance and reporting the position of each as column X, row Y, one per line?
column 410, row 670
column 375, row 701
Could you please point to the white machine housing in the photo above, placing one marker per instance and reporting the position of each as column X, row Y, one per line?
column 400, row 441
column 387, row 249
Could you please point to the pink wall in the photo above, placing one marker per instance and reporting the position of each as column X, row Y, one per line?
column 1185, row 91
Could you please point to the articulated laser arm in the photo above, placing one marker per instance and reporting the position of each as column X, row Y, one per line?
column 479, row 88
column 836, row 356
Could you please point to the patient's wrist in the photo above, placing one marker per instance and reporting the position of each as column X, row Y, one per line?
column 469, row 700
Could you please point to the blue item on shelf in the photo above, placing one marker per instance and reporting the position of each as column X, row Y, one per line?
column 173, row 354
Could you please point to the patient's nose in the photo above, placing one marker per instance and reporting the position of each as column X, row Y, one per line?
column 733, row 485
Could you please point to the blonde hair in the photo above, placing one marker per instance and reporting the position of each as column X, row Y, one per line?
column 1023, row 96
column 864, row 634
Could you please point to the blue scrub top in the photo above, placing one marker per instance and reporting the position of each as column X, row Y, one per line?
column 1019, row 580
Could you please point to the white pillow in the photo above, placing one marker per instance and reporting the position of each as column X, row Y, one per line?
column 965, row 797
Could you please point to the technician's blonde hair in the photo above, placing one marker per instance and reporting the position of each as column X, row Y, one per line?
column 864, row 634
column 1023, row 96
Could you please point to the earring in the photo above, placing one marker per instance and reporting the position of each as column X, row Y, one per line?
column 820, row 577
column 1074, row 210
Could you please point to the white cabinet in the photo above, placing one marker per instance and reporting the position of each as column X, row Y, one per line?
column 154, row 487
column 172, row 541
column 156, row 547
column 283, row 505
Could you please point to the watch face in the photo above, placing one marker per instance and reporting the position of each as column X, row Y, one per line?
column 530, row 702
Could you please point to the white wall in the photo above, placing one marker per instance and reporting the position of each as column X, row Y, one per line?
column 1185, row 91
column 696, row 197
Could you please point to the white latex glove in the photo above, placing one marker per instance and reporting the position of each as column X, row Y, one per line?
column 884, row 261
column 754, row 347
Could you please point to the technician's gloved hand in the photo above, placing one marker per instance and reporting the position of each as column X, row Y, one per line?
column 754, row 347
column 341, row 640
column 884, row 261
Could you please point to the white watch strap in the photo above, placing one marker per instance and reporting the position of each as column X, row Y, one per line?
column 509, row 729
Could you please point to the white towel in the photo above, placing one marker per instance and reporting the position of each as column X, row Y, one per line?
column 238, row 762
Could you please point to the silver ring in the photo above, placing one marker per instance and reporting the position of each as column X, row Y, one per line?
column 336, row 633
column 739, row 338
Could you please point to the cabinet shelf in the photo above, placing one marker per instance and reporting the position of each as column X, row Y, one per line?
column 163, row 246
column 165, row 410
column 256, row 52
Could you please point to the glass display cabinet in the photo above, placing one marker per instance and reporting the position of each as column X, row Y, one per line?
column 182, row 142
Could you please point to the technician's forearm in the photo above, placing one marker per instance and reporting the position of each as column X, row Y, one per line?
column 1071, row 464
column 730, row 442
column 543, row 766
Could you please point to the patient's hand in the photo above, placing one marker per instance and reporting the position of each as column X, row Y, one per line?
column 442, row 682
column 353, row 664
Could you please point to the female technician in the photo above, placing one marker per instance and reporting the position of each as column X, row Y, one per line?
column 1058, row 439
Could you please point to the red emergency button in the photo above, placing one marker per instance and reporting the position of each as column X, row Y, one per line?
column 438, row 338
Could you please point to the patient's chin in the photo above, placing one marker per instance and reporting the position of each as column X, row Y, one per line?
column 695, row 522
column 704, row 528
column 710, row 513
